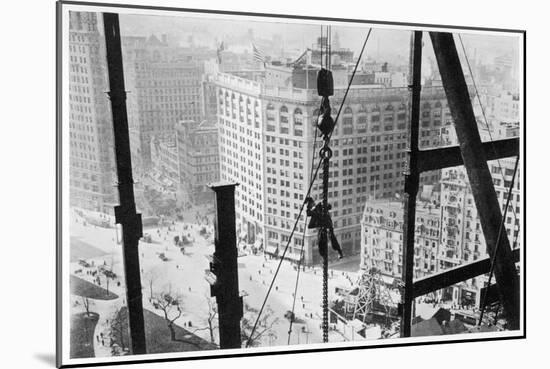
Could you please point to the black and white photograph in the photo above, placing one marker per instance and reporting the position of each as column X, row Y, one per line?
column 234, row 184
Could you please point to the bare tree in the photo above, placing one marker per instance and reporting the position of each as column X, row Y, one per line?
column 150, row 277
column 170, row 305
column 172, row 309
column 264, row 327
column 86, row 302
column 119, row 326
column 211, row 320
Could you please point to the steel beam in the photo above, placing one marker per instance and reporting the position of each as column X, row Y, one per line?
column 446, row 157
column 475, row 162
column 455, row 275
column 412, row 178
column 224, row 266
column 125, row 213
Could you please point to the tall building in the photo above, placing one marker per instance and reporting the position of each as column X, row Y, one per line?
column 91, row 154
column 462, row 236
column 266, row 142
column 198, row 159
column 382, row 238
column 165, row 158
column 240, row 127
column 166, row 84
column 501, row 105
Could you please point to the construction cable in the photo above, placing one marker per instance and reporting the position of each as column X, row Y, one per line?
column 321, row 46
column 307, row 195
column 311, row 178
column 483, row 112
column 325, row 153
column 500, row 230
column 311, row 182
column 350, row 81
column 297, row 279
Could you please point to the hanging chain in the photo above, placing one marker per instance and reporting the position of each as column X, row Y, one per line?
column 326, row 153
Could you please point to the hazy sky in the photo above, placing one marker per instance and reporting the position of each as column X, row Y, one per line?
column 387, row 43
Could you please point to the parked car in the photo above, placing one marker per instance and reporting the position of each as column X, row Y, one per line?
column 290, row 316
column 84, row 263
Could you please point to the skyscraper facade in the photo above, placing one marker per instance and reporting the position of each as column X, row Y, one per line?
column 270, row 131
column 166, row 86
column 91, row 154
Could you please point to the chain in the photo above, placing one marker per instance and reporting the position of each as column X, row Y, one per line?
column 323, row 241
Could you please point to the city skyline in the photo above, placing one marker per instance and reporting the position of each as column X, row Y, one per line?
column 245, row 109
column 384, row 40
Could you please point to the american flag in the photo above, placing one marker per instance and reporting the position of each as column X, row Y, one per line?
column 258, row 55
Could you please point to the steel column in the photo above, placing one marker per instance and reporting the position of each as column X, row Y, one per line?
column 225, row 268
column 412, row 178
column 125, row 213
column 475, row 162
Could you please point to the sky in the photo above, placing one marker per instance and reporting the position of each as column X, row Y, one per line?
column 384, row 43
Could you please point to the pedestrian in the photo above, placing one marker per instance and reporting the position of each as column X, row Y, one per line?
column 97, row 338
column 102, row 342
column 101, row 334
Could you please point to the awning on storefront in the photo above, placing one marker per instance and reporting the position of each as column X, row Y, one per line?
column 292, row 256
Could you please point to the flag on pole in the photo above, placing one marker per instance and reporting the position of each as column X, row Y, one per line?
column 258, row 55
column 219, row 52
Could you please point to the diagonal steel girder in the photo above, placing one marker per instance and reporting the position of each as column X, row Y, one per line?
column 475, row 162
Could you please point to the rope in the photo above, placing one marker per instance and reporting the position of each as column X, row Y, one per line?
column 321, row 47
column 350, row 82
column 297, row 278
column 483, row 113
column 312, row 180
column 323, row 232
column 493, row 258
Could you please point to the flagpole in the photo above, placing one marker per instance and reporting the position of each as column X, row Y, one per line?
column 307, row 74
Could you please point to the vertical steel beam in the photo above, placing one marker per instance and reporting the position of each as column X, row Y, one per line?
column 225, row 267
column 412, row 178
column 477, row 169
column 125, row 213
